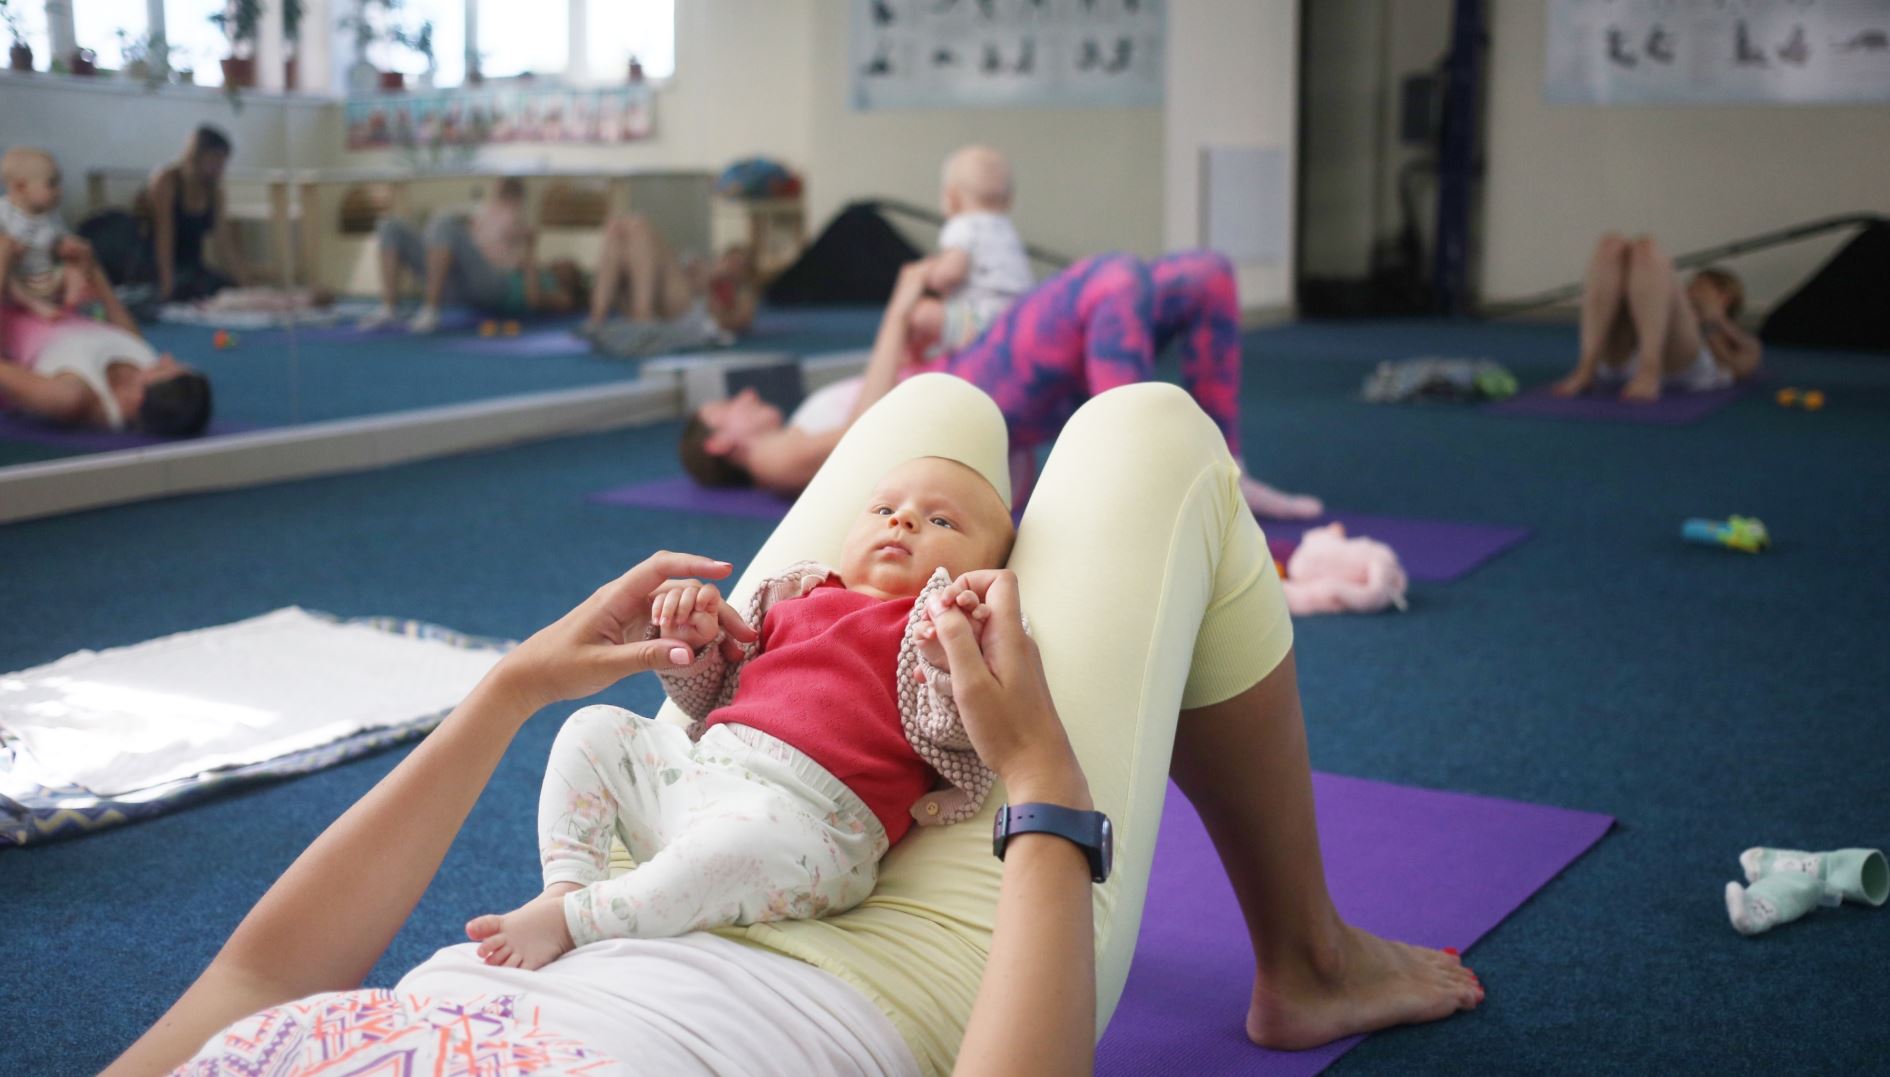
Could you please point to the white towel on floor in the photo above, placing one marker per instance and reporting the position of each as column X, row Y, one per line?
column 130, row 718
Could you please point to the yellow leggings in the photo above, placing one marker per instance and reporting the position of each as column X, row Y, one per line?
column 1149, row 589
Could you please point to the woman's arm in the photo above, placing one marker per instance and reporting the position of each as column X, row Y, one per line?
column 63, row 399
column 329, row 917
column 1736, row 349
column 164, row 196
column 228, row 255
column 947, row 269
column 1036, row 1006
column 890, row 353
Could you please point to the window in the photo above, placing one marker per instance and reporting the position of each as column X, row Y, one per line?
column 195, row 42
column 619, row 29
column 448, row 40
column 515, row 38
column 96, row 25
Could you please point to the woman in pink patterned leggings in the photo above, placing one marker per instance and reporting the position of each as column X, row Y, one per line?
column 1094, row 326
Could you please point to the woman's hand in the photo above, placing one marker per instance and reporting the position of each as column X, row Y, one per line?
column 1003, row 698
column 601, row 641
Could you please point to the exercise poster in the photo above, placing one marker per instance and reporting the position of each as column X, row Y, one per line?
column 1710, row 52
column 1006, row 53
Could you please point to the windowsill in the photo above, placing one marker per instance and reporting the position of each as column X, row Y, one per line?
column 120, row 85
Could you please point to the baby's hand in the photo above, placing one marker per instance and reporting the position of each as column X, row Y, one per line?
column 967, row 602
column 687, row 611
column 73, row 249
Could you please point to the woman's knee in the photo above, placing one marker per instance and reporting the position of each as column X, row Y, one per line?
column 1645, row 255
column 1150, row 416
column 442, row 229
column 389, row 232
column 1611, row 247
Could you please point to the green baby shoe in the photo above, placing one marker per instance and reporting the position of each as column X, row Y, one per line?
column 1858, row 874
column 1773, row 900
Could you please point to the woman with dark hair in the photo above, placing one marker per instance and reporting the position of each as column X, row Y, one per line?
column 174, row 223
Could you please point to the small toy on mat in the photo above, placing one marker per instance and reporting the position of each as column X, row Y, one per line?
column 1793, row 397
column 1432, row 378
column 1785, row 884
column 508, row 328
column 1330, row 573
column 488, row 328
column 1736, row 533
column 222, row 339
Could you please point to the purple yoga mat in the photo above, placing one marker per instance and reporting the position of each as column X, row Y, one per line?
column 1434, row 551
column 1605, row 406
column 1428, row 868
column 680, row 494
column 541, row 342
column 17, row 427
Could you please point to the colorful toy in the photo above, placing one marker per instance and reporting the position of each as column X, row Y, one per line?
column 509, row 328
column 1331, row 573
column 223, row 339
column 1812, row 400
column 1792, row 396
column 488, row 328
column 1743, row 533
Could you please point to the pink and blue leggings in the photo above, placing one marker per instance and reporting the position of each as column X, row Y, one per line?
column 1100, row 324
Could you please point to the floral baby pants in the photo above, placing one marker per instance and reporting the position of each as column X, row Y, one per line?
column 736, row 828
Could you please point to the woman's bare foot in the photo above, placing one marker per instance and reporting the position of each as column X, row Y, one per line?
column 1276, row 504
column 530, row 936
column 1574, row 385
column 1362, row 983
column 1641, row 390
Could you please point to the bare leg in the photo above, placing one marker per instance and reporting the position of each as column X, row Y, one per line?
column 439, row 264
column 1653, row 289
column 390, row 276
column 611, row 270
column 1603, row 311
column 1243, row 763
column 658, row 287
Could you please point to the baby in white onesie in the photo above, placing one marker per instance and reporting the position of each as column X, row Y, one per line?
column 981, row 267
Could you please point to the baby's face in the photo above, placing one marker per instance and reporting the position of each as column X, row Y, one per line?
column 37, row 192
column 924, row 514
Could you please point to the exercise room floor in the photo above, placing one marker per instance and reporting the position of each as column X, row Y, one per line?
column 1708, row 699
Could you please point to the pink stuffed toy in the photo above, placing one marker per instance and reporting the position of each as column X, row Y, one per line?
column 1330, row 573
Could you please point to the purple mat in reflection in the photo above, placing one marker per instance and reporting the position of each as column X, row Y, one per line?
column 1434, row 551
column 559, row 341
column 1423, row 867
column 17, row 427
column 682, row 495
column 451, row 321
column 1605, row 406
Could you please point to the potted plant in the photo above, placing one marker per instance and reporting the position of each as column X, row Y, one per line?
column 83, row 62
column 146, row 58
column 238, row 20
column 20, row 56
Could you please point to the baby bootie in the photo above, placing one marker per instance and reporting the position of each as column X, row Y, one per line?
column 1773, row 900
column 1858, row 874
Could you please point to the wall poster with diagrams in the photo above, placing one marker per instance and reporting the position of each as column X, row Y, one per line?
column 1709, row 52
column 1006, row 53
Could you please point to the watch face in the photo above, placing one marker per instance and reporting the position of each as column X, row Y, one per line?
column 1108, row 846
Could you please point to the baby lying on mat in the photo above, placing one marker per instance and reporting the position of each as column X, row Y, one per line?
column 811, row 752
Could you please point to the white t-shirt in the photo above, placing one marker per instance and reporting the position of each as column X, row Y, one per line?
column 87, row 350
column 828, row 407
column 1000, row 270
column 36, row 233
column 699, row 1004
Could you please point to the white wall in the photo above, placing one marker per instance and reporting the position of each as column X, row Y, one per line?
column 1695, row 176
column 1233, row 80
column 108, row 123
column 1088, row 179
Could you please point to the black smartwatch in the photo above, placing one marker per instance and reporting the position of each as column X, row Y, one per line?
column 1090, row 830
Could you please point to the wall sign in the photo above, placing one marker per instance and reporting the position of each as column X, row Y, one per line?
column 1605, row 52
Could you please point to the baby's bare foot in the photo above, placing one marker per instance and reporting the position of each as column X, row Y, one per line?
column 530, row 936
column 1363, row 984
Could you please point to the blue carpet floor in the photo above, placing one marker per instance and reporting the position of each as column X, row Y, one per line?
column 1708, row 699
